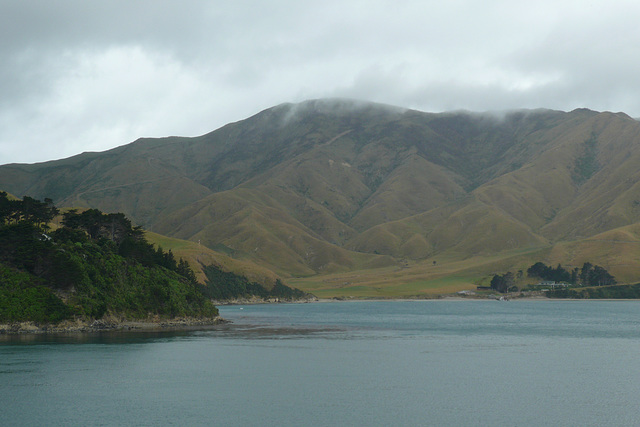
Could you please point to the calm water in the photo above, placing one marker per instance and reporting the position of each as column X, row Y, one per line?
column 431, row 363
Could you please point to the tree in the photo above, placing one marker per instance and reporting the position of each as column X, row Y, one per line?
column 185, row 270
column 114, row 226
column 538, row 269
column 7, row 207
column 559, row 274
column 502, row 283
column 600, row 277
column 574, row 275
column 89, row 221
column 37, row 212
column 584, row 273
column 28, row 209
column 542, row 271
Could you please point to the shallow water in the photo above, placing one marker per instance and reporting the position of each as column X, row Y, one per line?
column 458, row 363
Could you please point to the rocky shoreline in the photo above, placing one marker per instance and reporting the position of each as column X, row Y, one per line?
column 155, row 324
column 109, row 325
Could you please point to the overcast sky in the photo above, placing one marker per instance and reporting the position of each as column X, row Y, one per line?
column 88, row 76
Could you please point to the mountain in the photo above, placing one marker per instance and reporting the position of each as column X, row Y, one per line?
column 324, row 188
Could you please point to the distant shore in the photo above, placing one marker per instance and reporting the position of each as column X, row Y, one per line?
column 186, row 324
column 81, row 326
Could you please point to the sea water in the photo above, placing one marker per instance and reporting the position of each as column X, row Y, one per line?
column 391, row 363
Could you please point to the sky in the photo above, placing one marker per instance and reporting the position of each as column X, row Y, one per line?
column 81, row 75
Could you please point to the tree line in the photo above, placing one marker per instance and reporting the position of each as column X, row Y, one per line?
column 224, row 285
column 129, row 240
column 30, row 210
column 588, row 275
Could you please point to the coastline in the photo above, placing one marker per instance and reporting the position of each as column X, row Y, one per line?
column 190, row 324
column 110, row 325
column 258, row 300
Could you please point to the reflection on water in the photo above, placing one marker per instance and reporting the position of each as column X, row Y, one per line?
column 227, row 331
column 105, row 337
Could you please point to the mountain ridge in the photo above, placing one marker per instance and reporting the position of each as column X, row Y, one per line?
column 330, row 186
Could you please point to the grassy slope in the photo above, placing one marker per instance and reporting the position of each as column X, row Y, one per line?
column 312, row 193
column 617, row 250
column 198, row 256
column 449, row 274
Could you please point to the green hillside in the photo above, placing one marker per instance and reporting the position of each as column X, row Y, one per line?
column 95, row 266
column 329, row 189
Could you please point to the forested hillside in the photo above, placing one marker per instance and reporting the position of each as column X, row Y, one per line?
column 96, row 264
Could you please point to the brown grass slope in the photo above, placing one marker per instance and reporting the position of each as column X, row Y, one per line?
column 332, row 186
column 611, row 197
column 198, row 256
column 252, row 226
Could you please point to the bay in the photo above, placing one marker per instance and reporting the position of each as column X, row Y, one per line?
column 413, row 363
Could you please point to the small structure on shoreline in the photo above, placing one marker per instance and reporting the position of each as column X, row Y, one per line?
column 466, row 293
column 551, row 284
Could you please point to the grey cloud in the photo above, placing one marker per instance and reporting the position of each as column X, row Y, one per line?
column 79, row 75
